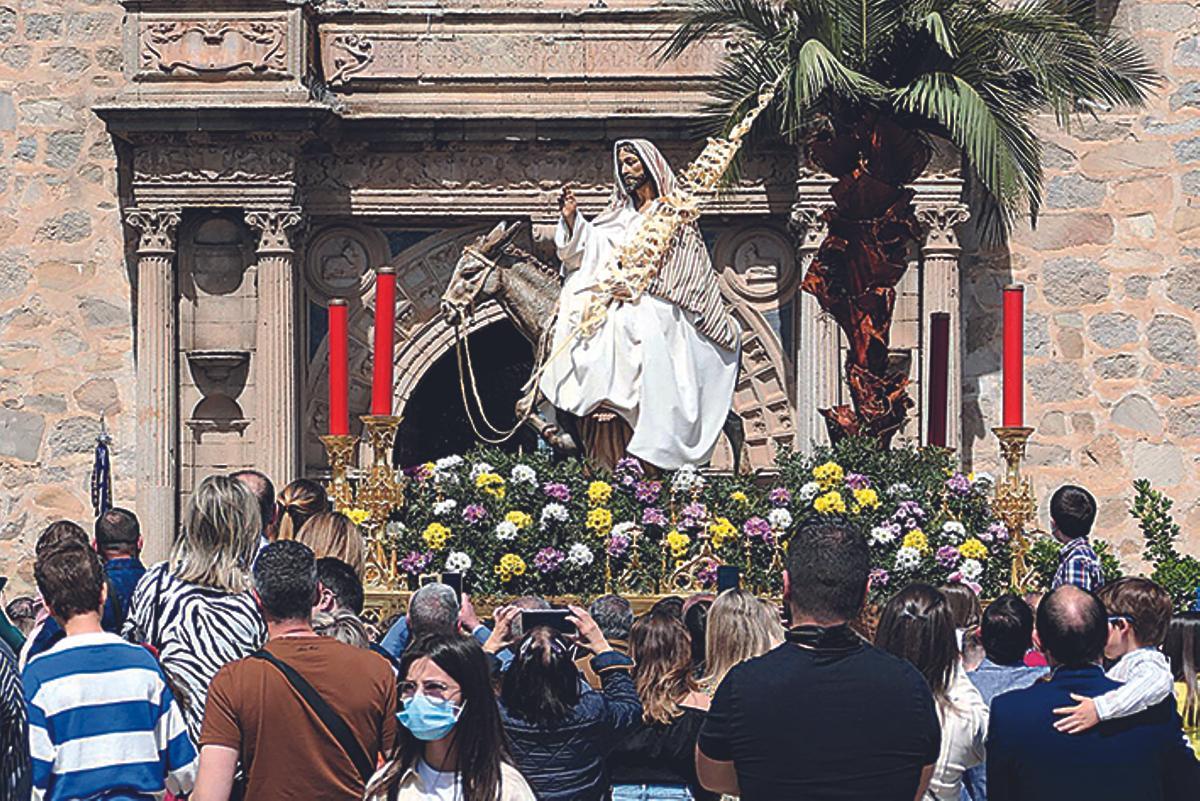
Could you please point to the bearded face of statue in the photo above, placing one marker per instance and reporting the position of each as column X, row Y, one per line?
column 634, row 174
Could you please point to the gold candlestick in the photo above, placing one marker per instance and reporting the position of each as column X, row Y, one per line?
column 340, row 449
column 1015, row 502
column 380, row 492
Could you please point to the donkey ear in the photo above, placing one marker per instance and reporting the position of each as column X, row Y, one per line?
column 513, row 230
column 494, row 237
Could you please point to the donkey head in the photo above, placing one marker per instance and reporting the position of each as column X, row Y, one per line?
column 477, row 275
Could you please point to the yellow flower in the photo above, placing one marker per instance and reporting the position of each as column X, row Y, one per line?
column 829, row 475
column 830, row 503
column 599, row 492
column 678, row 543
column 600, row 521
column 721, row 531
column 510, row 565
column 519, row 519
column 917, row 539
column 357, row 516
column 492, row 484
column 435, row 536
column 428, row 467
column 973, row 549
column 866, row 498
column 737, row 496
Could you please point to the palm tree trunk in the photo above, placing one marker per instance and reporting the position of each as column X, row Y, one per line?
column 872, row 230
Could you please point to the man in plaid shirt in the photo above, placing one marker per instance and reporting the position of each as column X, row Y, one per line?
column 1072, row 512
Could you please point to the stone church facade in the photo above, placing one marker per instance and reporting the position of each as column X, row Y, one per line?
column 186, row 185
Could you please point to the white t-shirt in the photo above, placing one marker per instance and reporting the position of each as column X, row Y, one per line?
column 443, row 786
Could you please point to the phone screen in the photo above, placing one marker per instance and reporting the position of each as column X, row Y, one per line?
column 729, row 577
column 455, row 582
column 551, row 618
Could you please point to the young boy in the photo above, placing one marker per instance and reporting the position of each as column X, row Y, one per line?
column 102, row 721
column 1139, row 612
column 1072, row 512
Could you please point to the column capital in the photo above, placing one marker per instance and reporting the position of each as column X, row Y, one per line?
column 808, row 225
column 157, row 227
column 939, row 221
column 273, row 225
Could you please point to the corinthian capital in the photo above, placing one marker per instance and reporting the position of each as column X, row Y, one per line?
column 939, row 221
column 273, row 225
column 157, row 227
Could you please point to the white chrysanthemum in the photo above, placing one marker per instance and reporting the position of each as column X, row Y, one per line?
column 443, row 508
column 907, row 558
column 579, row 555
column 780, row 519
column 523, row 474
column 458, row 562
column 479, row 468
column 506, row 530
column 686, row 479
column 626, row 529
column 971, row 569
column 809, row 491
column 899, row 490
column 954, row 531
column 881, row 535
column 396, row 529
column 984, row 478
column 553, row 513
column 448, row 463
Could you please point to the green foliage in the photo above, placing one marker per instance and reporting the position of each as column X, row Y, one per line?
column 1043, row 557
column 977, row 72
column 1179, row 575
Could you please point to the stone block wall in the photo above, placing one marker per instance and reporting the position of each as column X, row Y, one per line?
column 1112, row 277
column 66, row 335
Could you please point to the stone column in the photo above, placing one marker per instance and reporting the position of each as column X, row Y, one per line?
column 157, row 393
column 277, row 429
column 818, row 362
column 940, row 292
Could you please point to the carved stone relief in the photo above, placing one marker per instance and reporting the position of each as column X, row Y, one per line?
column 214, row 48
column 758, row 264
column 338, row 259
column 266, row 163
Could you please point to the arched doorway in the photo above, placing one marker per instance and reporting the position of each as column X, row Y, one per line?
column 435, row 422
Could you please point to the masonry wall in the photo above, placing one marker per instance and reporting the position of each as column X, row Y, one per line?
column 66, row 335
column 1112, row 276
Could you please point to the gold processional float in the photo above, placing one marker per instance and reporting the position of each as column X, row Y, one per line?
column 378, row 491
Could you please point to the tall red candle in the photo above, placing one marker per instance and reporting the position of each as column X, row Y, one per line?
column 939, row 372
column 385, row 340
column 339, row 367
column 1014, row 356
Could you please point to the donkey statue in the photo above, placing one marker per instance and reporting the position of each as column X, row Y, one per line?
column 494, row 267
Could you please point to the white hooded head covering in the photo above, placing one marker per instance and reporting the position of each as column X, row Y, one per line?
column 654, row 161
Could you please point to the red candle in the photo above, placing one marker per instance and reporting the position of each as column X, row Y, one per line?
column 339, row 367
column 1014, row 356
column 385, row 340
column 939, row 373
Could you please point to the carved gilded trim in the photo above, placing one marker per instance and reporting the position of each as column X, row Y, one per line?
column 214, row 48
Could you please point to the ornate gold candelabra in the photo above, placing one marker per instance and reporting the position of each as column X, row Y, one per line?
column 1015, row 502
column 340, row 450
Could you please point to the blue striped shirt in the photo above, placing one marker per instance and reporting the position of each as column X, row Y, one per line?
column 103, row 723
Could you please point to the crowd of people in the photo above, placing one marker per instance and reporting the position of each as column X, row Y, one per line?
column 242, row 668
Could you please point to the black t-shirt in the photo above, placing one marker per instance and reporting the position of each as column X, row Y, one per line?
column 842, row 723
column 661, row 754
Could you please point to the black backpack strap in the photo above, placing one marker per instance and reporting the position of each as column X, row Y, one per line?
column 337, row 727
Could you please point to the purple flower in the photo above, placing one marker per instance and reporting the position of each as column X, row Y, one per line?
column 653, row 516
column 420, row 472
column 618, row 544
column 628, row 471
column 947, row 556
column 647, row 491
column 696, row 511
column 957, row 578
column 757, row 527
column 415, row 562
column 879, row 577
column 707, row 574
column 473, row 513
column 779, row 496
column 857, row 481
column 959, row 484
column 557, row 491
column 908, row 514
column 549, row 560
column 996, row 531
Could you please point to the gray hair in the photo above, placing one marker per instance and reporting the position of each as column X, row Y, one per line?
column 343, row 626
column 614, row 615
column 433, row 609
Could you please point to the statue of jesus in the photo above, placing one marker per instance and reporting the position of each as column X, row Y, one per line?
column 656, row 380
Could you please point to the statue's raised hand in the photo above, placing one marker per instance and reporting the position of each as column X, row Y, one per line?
column 568, row 205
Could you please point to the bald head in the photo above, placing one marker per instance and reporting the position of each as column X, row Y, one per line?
column 1072, row 627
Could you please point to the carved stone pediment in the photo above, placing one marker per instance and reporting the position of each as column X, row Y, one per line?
column 264, row 163
column 214, row 48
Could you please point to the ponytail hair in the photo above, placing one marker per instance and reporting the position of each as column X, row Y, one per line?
column 299, row 501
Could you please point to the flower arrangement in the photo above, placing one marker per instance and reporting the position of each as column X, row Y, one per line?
column 532, row 524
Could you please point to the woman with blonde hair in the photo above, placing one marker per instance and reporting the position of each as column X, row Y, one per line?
column 741, row 626
column 195, row 609
column 334, row 534
column 297, row 503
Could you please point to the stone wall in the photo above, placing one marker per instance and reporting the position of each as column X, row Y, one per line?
column 66, row 338
column 1112, row 277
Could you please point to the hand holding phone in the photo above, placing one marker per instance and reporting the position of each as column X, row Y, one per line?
column 590, row 635
column 729, row 577
column 557, row 619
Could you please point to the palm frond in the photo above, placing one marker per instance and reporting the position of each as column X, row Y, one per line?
column 758, row 20
column 818, row 72
column 935, row 26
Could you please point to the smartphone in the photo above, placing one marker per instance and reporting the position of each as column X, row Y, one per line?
column 729, row 577
column 551, row 618
column 455, row 582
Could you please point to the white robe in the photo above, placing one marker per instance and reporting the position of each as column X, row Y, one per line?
column 648, row 350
